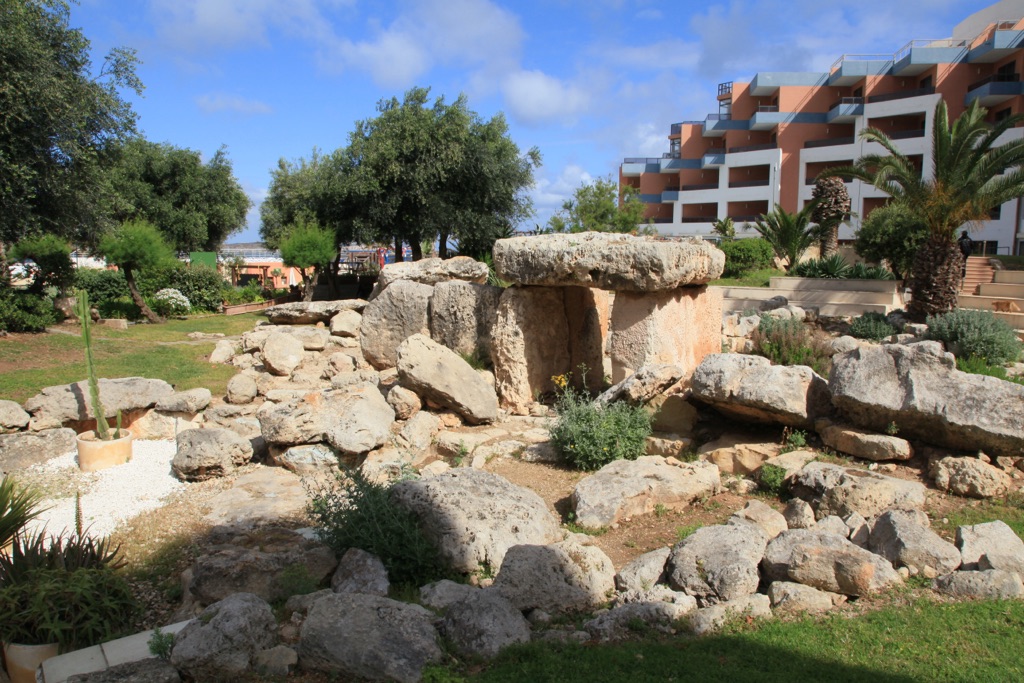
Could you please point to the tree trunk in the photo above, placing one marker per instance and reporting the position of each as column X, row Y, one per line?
column 5, row 270
column 442, row 244
column 152, row 317
column 399, row 256
column 936, row 278
column 830, row 241
column 417, row 250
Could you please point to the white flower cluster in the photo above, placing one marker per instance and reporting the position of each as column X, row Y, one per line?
column 171, row 302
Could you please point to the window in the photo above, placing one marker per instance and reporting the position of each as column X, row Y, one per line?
column 925, row 82
column 1002, row 114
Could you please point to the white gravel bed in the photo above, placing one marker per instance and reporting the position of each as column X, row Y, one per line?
column 115, row 494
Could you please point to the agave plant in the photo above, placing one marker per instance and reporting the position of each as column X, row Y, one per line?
column 19, row 505
column 67, row 551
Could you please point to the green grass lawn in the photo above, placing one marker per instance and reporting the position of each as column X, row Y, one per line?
column 923, row 641
column 30, row 362
column 753, row 278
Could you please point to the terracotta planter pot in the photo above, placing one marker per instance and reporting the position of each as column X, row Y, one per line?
column 96, row 454
column 23, row 660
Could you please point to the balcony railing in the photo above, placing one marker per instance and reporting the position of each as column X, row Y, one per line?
column 725, row 88
column 714, row 151
column 661, row 220
column 698, row 186
column 676, row 129
column 698, row 219
column 767, row 109
column 719, row 117
column 810, row 179
column 829, row 142
column 994, row 78
column 753, row 148
column 642, row 160
column 744, row 218
column 858, row 58
column 903, row 94
column 941, row 42
column 749, row 183
column 848, row 100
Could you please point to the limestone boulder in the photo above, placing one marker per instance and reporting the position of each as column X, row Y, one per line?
column 241, row 389
column 397, row 314
column 24, row 449
column 862, row 443
column 405, row 402
column 901, row 538
column 798, row 514
column 430, row 271
column 628, row 488
column 67, row 404
column 710, row 619
column 620, row 622
column 224, row 640
column 209, row 453
column 737, row 453
column 983, row 543
column 749, row 387
column 972, row 478
column 918, row 387
column 462, row 315
column 989, row 584
column 312, row 338
column 835, row 490
column 678, row 327
column 257, row 563
column 756, row 512
column 346, row 324
column 418, row 431
column 368, row 636
column 474, row 517
column 845, row 569
column 440, row 595
column 718, row 563
column 790, row 597
column 791, row 462
column 355, row 420
column 191, row 401
column 438, row 374
column 311, row 312
column 12, row 417
column 778, row 554
column 643, row 385
column 224, row 351
column 360, row 572
column 557, row 578
column 306, row 459
column 282, row 353
column 607, row 261
column 483, row 624
column 150, row 670
column 644, row 572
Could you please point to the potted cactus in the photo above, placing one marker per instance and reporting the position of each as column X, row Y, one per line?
column 101, row 448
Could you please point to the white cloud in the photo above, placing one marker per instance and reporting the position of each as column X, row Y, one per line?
column 550, row 193
column 534, row 97
column 213, row 103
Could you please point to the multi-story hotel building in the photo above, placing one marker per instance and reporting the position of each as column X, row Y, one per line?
column 771, row 137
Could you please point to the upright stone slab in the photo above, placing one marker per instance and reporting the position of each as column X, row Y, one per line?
column 679, row 326
column 529, row 344
column 391, row 318
column 586, row 313
column 462, row 315
column 607, row 261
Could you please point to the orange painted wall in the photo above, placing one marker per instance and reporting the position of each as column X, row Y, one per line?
column 792, row 137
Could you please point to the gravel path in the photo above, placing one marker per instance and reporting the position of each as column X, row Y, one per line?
column 109, row 496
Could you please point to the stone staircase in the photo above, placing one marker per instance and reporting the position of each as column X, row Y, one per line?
column 830, row 297
column 979, row 272
column 1001, row 285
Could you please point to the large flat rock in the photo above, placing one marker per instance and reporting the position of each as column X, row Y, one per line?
column 607, row 261
column 311, row 312
column 67, row 404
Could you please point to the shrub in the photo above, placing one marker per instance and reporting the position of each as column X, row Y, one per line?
column 871, row 325
column 249, row 294
column 170, row 302
column 590, row 436
column 832, row 267
column 772, row 479
column 25, row 312
column 52, row 257
column 892, row 233
column 201, row 285
column 971, row 333
column 978, row 366
column 861, row 271
column 102, row 285
column 793, row 440
column 744, row 255
column 790, row 342
column 358, row 513
column 68, row 552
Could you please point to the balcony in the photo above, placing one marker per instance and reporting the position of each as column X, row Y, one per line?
column 902, row 95
column 718, row 124
column 846, row 110
column 829, row 142
column 767, row 83
column 698, row 219
column 849, row 69
column 698, row 186
column 713, row 157
column 1002, row 39
column 725, row 89
column 995, row 89
column 749, row 183
column 753, row 148
column 918, row 56
column 906, row 134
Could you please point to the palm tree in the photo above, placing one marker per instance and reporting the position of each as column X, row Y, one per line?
column 789, row 234
column 833, row 208
column 970, row 176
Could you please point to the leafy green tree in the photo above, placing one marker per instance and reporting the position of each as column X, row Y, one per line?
column 196, row 206
column 137, row 246
column 52, row 257
column 309, row 248
column 832, row 208
column 725, row 228
column 595, row 207
column 57, row 124
column 789, row 234
column 971, row 174
column 891, row 233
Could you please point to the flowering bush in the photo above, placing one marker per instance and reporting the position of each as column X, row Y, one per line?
column 171, row 302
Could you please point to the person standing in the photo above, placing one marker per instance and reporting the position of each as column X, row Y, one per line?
column 966, row 245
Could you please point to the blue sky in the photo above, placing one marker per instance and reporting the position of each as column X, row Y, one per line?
column 588, row 82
